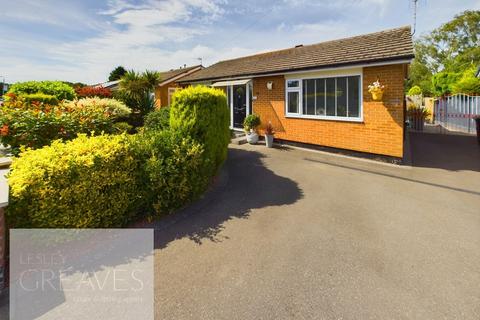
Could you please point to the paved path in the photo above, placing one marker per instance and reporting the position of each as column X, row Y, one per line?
column 291, row 234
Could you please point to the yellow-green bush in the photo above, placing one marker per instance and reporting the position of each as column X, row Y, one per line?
column 88, row 182
column 202, row 113
column 108, row 180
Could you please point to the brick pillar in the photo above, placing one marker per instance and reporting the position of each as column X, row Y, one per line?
column 3, row 231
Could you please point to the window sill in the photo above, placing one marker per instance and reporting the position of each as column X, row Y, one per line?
column 311, row 117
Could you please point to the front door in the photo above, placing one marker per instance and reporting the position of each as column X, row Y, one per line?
column 239, row 105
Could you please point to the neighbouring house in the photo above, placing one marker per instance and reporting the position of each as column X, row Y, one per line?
column 4, row 88
column 169, row 84
column 318, row 94
column 112, row 85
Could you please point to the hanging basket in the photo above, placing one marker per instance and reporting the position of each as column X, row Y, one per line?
column 377, row 95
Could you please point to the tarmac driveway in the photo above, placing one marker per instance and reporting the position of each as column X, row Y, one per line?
column 292, row 234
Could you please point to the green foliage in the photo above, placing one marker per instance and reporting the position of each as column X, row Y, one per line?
column 418, row 113
column 40, row 97
column 117, row 73
column 136, row 90
column 202, row 113
column 122, row 127
column 110, row 107
column 107, row 181
column 453, row 47
column 415, row 91
column 442, row 82
column 171, row 168
column 158, row 120
column 35, row 125
column 251, row 122
column 468, row 83
column 89, row 182
column 58, row 89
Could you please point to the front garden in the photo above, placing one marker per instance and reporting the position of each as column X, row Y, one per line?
column 77, row 164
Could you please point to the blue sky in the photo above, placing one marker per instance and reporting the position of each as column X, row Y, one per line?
column 84, row 40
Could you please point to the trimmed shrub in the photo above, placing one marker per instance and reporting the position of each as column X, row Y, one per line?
column 84, row 92
column 158, row 119
column 40, row 97
column 60, row 90
column 171, row 168
column 110, row 107
column 202, row 113
column 89, row 182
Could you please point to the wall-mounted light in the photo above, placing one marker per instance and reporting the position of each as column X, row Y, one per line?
column 270, row 85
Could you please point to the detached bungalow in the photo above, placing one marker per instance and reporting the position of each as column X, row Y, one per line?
column 318, row 94
column 169, row 84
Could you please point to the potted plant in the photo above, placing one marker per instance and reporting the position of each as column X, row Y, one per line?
column 477, row 121
column 250, row 125
column 269, row 135
column 416, row 117
column 376, row 89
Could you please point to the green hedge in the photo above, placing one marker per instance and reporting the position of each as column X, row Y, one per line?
column 171, row 168
column 60, row 90
column 158, row 119
column 89, row 182
column 109, row 181
column 202, row 113
column 40, row 98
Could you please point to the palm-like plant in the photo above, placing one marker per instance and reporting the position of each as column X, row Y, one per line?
column 136, row 89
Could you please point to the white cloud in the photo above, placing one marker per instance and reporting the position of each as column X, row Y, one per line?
column 165, row 34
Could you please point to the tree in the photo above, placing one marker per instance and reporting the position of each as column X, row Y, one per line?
column 469, row 83
column 117, row 73
column 136, row 90
column 452, row 48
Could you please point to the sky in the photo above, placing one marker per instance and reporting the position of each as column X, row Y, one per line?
column 82, row 41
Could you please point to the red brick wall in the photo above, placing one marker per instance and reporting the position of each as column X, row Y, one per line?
column 381, row 131
column 161, row 94
column 2, row 247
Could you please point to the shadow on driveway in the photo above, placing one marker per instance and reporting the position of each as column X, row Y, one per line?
column 444, row 151
column 243, row 184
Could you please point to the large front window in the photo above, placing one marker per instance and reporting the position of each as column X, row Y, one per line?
column 336, row 98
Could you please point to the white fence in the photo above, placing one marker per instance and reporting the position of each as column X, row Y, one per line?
column 456, row 113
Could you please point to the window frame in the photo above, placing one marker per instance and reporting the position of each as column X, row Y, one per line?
column 299, row 89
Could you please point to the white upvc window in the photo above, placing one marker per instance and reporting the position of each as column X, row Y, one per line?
column 327, row 98
column 293, row 96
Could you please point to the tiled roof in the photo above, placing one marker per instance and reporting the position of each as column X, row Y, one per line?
column 388, row 45
column 166, row 75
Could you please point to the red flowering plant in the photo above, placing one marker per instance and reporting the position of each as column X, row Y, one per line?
column 100, row 92
column 35, row 124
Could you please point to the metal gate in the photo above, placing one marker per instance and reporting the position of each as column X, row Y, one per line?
column 457, row 112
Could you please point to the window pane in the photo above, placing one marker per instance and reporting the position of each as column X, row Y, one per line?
column 293, row 83
column 320, row 97
column 309, row 97
column 293, row 98
column 353, row 96
column 330, row 92
column 342, row 97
